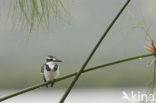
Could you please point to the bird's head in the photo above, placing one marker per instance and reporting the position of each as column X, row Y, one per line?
column 52, row 59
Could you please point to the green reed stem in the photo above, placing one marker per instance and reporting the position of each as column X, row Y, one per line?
column 91, row 54
column 154, row 77
column 73, row 74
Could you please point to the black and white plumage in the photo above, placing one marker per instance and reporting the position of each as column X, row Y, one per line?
column 50, row 70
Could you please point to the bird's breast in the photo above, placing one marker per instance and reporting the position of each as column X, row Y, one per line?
column 50, row 75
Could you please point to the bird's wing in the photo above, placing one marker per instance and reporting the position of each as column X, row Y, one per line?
column 42, row 68
column 42, row 72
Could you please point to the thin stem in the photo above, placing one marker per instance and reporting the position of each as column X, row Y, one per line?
column 154, row 77
column 92, row 53
column 73, row 74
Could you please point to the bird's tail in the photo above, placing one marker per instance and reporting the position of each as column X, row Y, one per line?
column 52, row 84
column 45, row 81
column 46, row 85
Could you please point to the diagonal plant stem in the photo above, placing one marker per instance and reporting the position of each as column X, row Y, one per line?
column 92, row 53
column 153, row 79
column 73, row 74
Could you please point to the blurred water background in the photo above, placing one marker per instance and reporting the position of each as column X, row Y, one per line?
column 21, row 59
column 78, row 96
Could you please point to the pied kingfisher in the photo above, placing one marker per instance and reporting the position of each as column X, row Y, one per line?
column 50, row 70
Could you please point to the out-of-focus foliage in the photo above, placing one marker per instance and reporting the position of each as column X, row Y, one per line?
column 30, row 15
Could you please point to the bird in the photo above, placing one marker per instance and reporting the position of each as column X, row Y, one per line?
column 50, row 69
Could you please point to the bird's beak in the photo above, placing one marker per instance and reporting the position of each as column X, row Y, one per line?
column 57, row 60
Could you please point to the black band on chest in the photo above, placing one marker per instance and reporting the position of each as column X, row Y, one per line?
column 48, row 68
column 55, row 67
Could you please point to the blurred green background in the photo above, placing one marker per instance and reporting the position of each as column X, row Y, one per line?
column 21, row 59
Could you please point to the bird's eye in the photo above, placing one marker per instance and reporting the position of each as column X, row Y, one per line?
column 49, row 60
